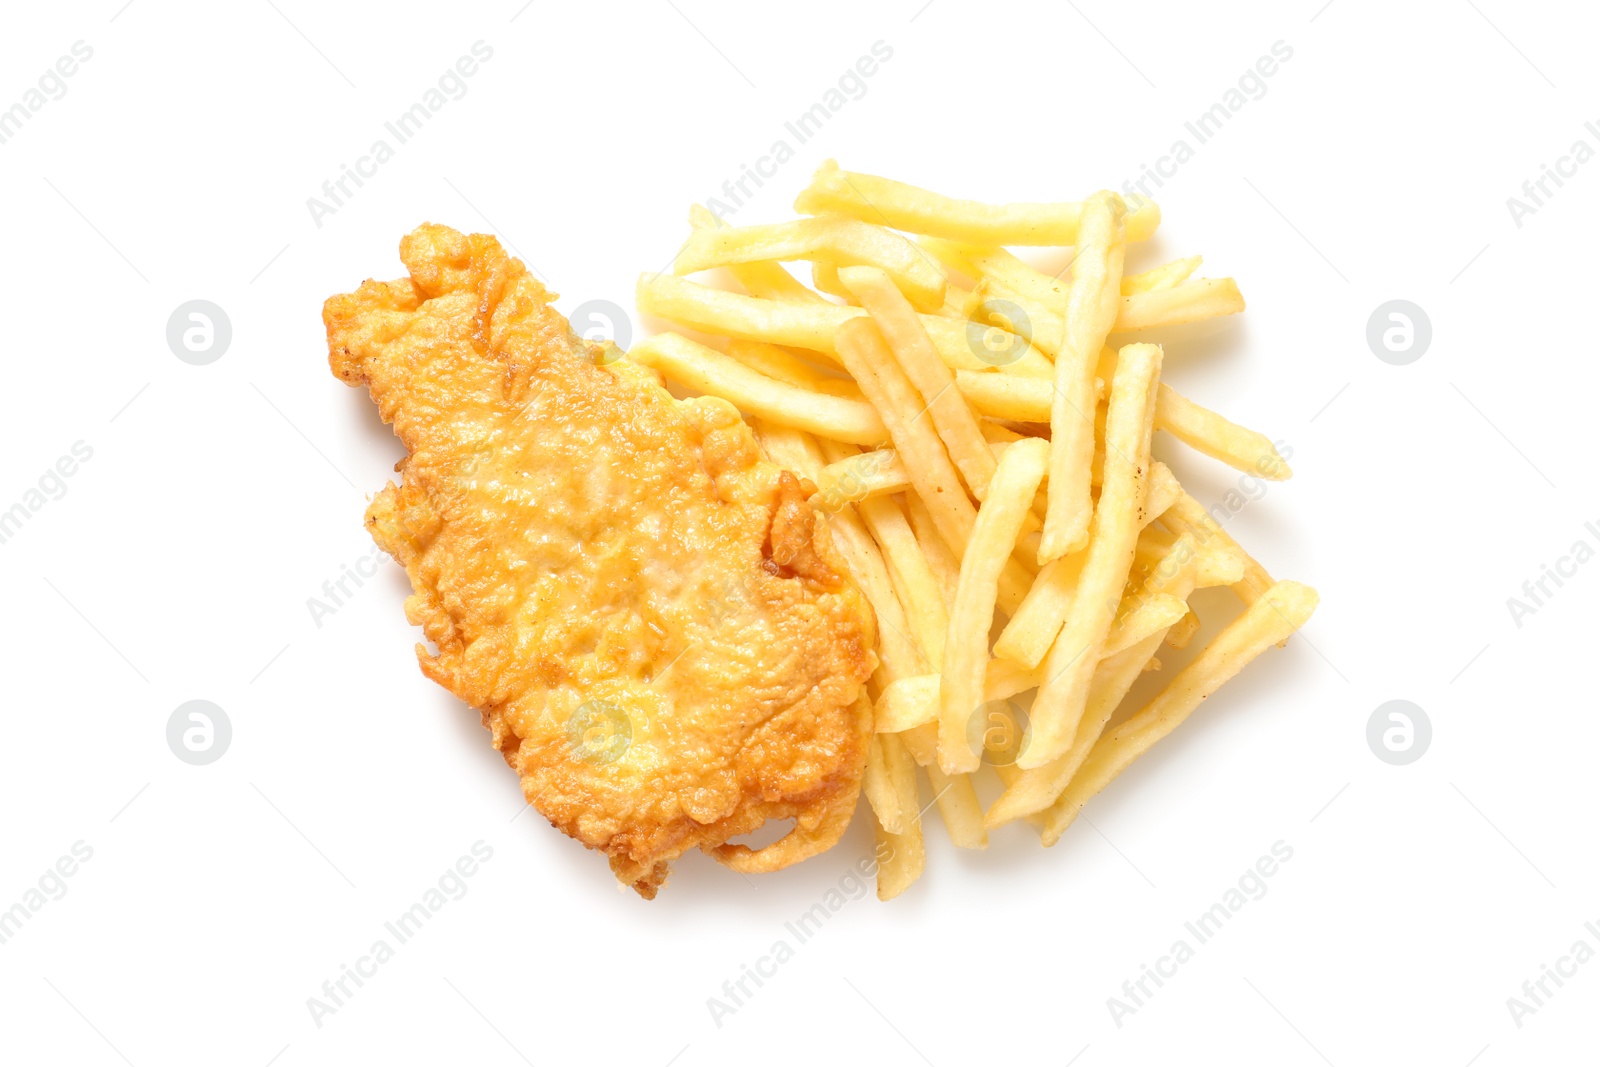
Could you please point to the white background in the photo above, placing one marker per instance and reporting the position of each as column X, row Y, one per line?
column 219, row 498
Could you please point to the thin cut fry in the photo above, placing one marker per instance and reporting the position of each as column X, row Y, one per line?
column 709, row 371
column 1279, row 612
column 1035, row 623
column 915, row 584
column 836, row 238
column 914, row 351
column 1090, row 310
column 900, row 860
column 1207, row 432
column 1029, row 400
column 958, row 804
column 783, row 365
column 1193, row 517
column 810, row 326
column 999, row 522
column 912, row 702
column 906, row 207
column 1036, row 789
column 1070, row 664
column 1162, row 277
column 765, row 279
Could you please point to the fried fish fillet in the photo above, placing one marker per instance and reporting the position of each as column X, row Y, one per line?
column 649, row 616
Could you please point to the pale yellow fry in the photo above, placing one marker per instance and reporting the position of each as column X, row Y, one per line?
column 1164, row 490
column 1219, row 564
column 932, row 476
column 879, row 785
column 914, row 580
column 945, row 566
column 793, row 450
column 958, row 805
column 1091, row 308
column 901, row 328
column 1006, row 396
column 1207, row 432
column 825, row 279
column 1183, row 631
column 923, row 743
column 1024, row 399
column 927, row 464
column 708, row 371
column 864, row 475
column 880, row 472
column 1034, row 790
column 785, row 366
column 810, row 326
column 999, row 521
column 765, row 279
column 906, row 207
column 839, row 239
column 1193, row 301
column 909, row 703
column 1036, row 294
column 900, row 860
column 1149, row 615
column 1279, row 612
column 1027, row 637
column 1192, row 517
column 1070, row 664
column 1163, row 277
column 1034, row 625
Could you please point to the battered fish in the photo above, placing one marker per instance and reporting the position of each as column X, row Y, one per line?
column 650, row 617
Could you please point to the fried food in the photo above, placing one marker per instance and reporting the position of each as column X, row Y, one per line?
column 651, row 618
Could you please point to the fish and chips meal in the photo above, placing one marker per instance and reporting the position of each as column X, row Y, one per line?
column 873, row 514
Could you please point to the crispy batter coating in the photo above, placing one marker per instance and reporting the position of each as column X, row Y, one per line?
column 650, row 617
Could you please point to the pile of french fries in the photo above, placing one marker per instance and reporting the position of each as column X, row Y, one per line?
column 983, row 455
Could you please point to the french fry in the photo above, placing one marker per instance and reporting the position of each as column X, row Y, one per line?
column 1034, row 790
column 783, row 365
column 1149, row 615
column 1191, row 516
column 998, row 523
column 794, row 324
column 1090, row 311
column 764, row 279
column 1209, row 433
column 945, row 566
column 1025, row 399
column 879, row 785
column 1070, row 664
column 915, row 585
column 710, row 372
column 1162, row 277
column 1193, row 301
column 838, row 239
column 1002, row 276
column 1272, row 618
column 958, row 805
column 909, row 703
column 901, row 858
column 1183, row 631
column 1035, row 623
column 906, row 207
column 914, row 351
column 928, row 467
